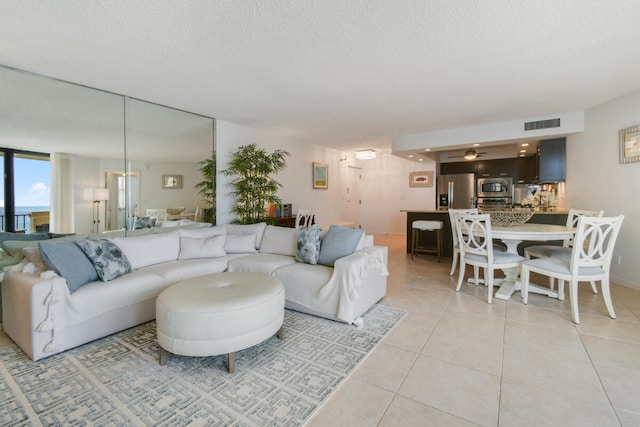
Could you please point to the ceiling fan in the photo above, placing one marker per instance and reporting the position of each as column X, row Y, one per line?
column 470, row 154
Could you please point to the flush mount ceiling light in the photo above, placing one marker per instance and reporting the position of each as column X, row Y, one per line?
column 365, row 154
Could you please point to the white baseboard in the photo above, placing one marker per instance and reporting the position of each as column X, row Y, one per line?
column 624, row 282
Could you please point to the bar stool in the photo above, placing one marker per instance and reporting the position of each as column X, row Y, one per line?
column 431, row 226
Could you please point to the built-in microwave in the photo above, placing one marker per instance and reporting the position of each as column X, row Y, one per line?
column 495, row 187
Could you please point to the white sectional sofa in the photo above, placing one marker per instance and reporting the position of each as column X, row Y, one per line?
column 44, row 317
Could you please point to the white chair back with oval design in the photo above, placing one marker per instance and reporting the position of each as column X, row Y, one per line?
column 590, row 261
column 304, row 218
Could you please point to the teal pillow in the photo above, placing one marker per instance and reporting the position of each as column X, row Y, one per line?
column 68, row 261
column 106, row 257
column 308, row 244
column 338, row 242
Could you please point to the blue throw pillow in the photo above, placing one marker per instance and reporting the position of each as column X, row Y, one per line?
column 68, row 261
column 107, row 258
column 308, row 244
column 338, row 242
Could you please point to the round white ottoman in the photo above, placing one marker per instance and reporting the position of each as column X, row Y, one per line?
column 219, row 314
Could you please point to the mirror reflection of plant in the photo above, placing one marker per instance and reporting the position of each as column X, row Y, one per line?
column 254, row 187
column 207, row 187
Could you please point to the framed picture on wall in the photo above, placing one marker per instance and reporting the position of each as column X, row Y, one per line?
column 630, row 144
column 421, row 179
column 172, row 181
column 320, row 175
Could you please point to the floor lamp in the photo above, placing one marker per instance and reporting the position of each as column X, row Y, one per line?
column 96, row 195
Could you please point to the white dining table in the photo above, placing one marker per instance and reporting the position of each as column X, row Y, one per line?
column 511, row 236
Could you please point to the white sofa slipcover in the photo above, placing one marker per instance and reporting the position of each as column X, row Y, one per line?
column 44, row 318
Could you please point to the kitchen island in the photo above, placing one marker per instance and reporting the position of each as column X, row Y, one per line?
column 553, row 216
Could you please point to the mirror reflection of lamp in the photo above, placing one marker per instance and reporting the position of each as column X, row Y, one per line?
column 96, row 195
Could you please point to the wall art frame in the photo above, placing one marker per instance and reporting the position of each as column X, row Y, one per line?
column 421, row 179
column 630, row 144
column 172, row 182
column 320, row 175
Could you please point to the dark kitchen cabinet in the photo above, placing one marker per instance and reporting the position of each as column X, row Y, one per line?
column 497, row 168
column 458, row 167
column 525, row 171
column 552, row 156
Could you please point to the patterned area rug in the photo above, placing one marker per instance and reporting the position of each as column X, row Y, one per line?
column 117, row 380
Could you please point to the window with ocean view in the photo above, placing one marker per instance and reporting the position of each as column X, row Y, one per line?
column 25, row 194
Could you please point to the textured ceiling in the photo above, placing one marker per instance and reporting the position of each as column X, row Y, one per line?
column 344, row 74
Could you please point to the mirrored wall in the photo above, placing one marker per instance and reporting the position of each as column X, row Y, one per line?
column 145, row 155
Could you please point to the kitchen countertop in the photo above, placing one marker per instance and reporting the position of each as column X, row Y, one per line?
column 548, row 211
column 552, row 216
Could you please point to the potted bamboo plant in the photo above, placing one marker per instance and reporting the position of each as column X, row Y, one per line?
column 254, row 186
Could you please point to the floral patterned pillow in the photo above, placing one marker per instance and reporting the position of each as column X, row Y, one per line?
column 106, row 257
column 308, row 244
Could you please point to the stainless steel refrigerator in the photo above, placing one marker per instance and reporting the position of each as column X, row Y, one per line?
column 456, row 191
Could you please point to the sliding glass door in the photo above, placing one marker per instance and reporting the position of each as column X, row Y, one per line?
column 25, row 193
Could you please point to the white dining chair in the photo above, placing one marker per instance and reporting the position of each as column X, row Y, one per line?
column 304, row 217
column 564, row 251
column 454, row 234
column 476, row 249
column 158, row 214
column 590, row 260
column 198, row 216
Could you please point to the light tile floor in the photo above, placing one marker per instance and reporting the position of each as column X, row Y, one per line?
column 457, row 361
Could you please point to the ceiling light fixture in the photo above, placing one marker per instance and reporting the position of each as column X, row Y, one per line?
column 367, row 154
column 470, row 154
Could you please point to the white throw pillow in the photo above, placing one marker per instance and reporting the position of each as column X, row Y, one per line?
column 199, row 233
column 208, row 247
column 151, row 249
column 240, row 244
column 279, row 240
column 243, row 229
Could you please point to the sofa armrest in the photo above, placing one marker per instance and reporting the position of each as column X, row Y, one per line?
column 30, row 313
column 361, row 268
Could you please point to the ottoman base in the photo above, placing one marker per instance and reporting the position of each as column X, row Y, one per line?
column 231, row 357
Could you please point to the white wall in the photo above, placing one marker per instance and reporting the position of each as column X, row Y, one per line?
column 597, row 180
column 328, row 205
column 153, row 196
column 385, row 192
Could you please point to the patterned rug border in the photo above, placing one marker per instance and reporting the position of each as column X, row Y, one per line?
column 117, row 380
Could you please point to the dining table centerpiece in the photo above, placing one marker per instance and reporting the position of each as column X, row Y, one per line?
column 510, row 218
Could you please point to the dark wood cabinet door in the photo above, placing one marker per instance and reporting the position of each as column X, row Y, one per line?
column 552, row 160
column 497, row 168
column 458, row 167
column 484, row 169
column 525, row 170
column 503, row 167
